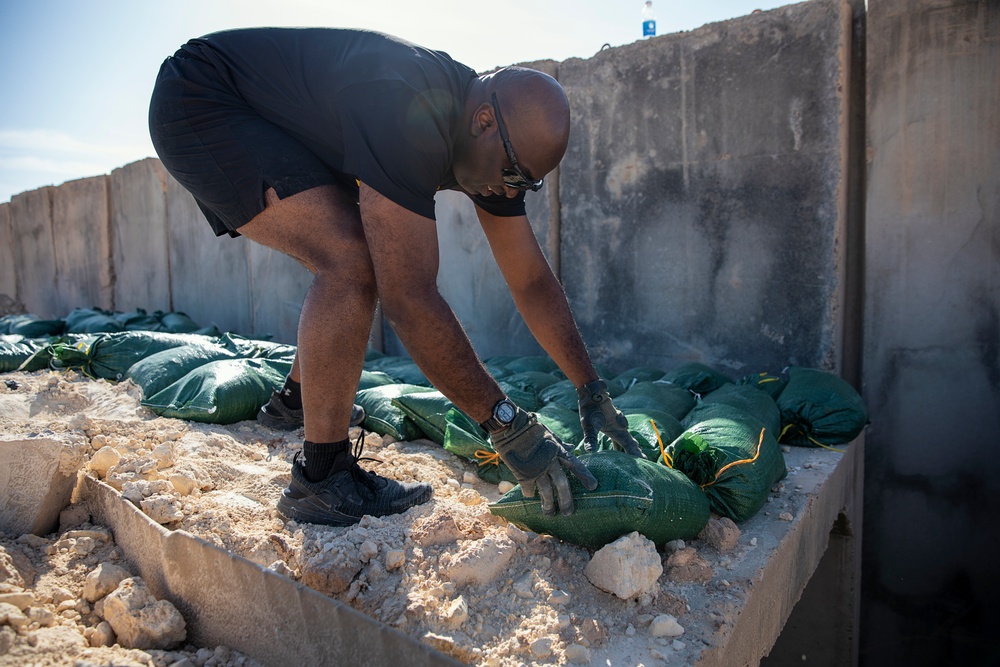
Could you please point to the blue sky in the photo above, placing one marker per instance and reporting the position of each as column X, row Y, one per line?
column 75, row 76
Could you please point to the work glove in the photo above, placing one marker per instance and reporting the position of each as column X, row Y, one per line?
column 597, row 413
column 537, row 458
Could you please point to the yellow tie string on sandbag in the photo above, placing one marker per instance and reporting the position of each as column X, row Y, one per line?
column 810, row 439
column 667, row 461
column 726, row 467
column 486, row 457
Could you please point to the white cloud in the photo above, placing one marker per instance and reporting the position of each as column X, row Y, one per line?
column 47, row 141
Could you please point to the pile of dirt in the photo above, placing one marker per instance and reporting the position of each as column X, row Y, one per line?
column 447, row 573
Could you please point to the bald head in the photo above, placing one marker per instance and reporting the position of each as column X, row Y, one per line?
column 536, row 112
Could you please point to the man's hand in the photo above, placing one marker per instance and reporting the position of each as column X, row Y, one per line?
column 597, row 413
column 537, row 458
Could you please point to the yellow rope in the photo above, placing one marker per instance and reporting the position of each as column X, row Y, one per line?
column 736, row 463
column 667, row 461
column 487, row 457
column 810, row 439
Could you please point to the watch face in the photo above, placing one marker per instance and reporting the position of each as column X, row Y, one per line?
column 505, row 412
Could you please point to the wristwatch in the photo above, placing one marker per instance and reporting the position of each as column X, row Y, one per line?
column 503, row 415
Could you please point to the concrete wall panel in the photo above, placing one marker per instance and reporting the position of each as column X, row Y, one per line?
column 278, row 286
column 703, row 194
column 34, row 255
column 81, row 237
column 209, row 275
column 139, row 236
column 8, row 273
column 932, row 332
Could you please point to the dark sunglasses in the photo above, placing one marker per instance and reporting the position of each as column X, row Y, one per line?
column 515, row 176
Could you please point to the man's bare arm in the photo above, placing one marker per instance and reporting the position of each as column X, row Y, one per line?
column 404, row 251
column 537, row 294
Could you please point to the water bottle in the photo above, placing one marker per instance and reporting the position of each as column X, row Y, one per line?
column 648, row 20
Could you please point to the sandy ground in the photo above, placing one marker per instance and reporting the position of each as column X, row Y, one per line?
column 533, row 605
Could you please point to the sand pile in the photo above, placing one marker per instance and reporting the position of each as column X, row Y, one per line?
column 447, row 573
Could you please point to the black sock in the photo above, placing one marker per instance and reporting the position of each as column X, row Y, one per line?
column 323, row 458
column 291, row 394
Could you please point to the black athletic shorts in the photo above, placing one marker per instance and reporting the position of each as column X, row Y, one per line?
column 221, row 150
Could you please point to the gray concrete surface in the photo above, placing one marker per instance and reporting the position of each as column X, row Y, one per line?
column 932, row 333
column 230, row 601
column 37, row 477
column 34, row 254
column 209, row 276
column 139, row 236
column 8, row 273
column 703, row 194
column 84, row 272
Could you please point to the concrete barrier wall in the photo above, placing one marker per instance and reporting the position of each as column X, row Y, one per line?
column 8, row 271
column 932, row 333
column 81, row 240
column 703, row 194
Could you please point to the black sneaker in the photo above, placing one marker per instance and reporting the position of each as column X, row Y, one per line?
column 347, row 495
column 279, row 416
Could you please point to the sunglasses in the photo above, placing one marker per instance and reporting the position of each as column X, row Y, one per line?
column 515, row 176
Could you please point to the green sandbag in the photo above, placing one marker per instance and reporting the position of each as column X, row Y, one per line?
column 30, row 326
column 745, row 398
column 371, row 379
column 641, row 428
column 385, row 418
column 638, row 374
column 178, row 322
column 632, row 495
column 220, row 392
column 769, row 383
column 531, row 381
column 563, row 422
column 524, row 399
column 735, row 462
column 696, row 377
column 428, row 411
column 160, row 370
column 140, row 320
column 464, row 438
column 15, row 350
column 92, row 320
column 110, row 355
column 562, row 393
column 820, row 409
column 252, row 348
column 535, row 363
column 675, row 401
column 402, row 369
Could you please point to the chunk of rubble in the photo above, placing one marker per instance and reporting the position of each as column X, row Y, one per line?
column 686, row 566
column 331, row 572
column 434, row 530
column 665, row 625
column 102, row 580
column 103, row 460
column 628, row 567
column 140, row 620
column 721, row 533
column 162, row 509
column 477, row 561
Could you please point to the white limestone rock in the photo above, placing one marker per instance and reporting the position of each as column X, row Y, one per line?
column 665, row 625
column 477, row 561
column 628, row 567
column 102, row 580
column 140, row 620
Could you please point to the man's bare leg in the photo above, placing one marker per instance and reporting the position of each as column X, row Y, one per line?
column 322, row 229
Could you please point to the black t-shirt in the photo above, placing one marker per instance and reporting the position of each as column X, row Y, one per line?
column 370, row 106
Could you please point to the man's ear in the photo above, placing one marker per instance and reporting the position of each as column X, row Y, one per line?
column 482, row 120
